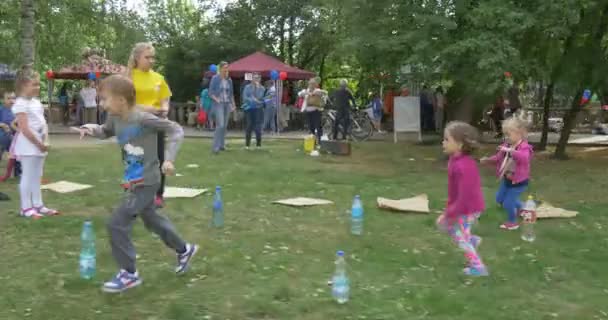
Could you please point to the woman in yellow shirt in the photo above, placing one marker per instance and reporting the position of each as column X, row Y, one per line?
column 152, row 95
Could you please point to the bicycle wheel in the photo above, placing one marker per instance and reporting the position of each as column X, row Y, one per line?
column 361, row 127
column 328, row 127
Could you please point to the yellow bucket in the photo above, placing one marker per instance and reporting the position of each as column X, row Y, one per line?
column 309, row 143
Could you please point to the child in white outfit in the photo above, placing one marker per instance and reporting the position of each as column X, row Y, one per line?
column 31, row 143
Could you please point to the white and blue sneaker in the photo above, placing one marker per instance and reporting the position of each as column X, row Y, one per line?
column 183, row 259
column 122, row 282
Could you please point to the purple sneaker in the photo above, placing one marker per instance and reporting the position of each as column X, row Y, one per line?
column 122, row 282
column 183, row 259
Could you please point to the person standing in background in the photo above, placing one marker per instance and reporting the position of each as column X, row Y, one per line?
column 344, row 101
column 270, row 107
column 221, row 91
column 64, row 100
column 439, row 102
column 89, row 98
column 152, row 95
column 253, row 102
column 426, row 108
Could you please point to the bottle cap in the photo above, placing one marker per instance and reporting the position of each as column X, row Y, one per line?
column 357, row 197
column 530, row 197
column 340, row 253
column 88, row 222
column 218, row 188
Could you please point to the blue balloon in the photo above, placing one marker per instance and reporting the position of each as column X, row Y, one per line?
column 91, row 76
column 587, row 94
column 274, row 75
column 213, row 68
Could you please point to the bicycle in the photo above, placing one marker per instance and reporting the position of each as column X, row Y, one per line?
column 360, row 129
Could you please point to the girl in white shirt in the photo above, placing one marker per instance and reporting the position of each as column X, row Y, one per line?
column 31, row 143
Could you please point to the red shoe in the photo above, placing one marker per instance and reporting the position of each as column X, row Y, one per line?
column 47, row 211
column 159, row 202
column 509, row 226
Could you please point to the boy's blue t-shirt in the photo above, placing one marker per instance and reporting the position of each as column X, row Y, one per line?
column 206, row 100
column 6, row 115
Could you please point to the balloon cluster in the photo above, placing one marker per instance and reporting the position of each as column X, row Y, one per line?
column 276, row 75
column 50, row 74
column 94, row 75
column 213, row 68
column 586, row 97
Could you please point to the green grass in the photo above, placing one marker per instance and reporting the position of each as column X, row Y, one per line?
column 272, row 262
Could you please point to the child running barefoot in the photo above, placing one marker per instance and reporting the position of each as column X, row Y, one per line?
column 30, row 144
column 512, row 168
column 465, row 198
column 137, row 133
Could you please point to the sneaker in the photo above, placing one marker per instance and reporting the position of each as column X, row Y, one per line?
column 46, row 211
column 509, row 226
column 122, row 282
column 31, row 213
column 475, row 241
column 183, row 259
column 159, row 202
column 476, row 272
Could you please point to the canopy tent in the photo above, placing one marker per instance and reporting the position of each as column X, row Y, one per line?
column 262, row 63
column 90, row 64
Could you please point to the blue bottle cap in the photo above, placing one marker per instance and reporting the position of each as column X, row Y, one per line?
column 218, row 188
column 357, row 197
column 88, row 223
column 340, row 253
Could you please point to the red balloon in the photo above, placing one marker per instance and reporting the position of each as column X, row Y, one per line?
column 283, row 75
column 507, row 74
column 97, row 75
column 50, row 74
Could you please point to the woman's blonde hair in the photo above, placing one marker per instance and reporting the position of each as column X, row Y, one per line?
column 25, row 75
column 137, row 51
column 515, row 123
column 465, row 134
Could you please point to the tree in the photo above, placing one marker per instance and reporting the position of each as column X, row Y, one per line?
column 28, row 24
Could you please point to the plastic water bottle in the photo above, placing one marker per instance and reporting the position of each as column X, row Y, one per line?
column 340, row 289
column 356, row 223
column 528, row 213
column 218, row 208
column 87, row 251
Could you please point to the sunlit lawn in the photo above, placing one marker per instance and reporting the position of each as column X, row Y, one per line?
column 273, row 262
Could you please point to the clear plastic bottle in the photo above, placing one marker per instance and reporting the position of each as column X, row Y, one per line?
column 356, row 223
column 340, row 289
column 528, row 213
column 87, row 251
column 218, row 209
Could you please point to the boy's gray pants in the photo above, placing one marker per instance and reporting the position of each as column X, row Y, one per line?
column 139, row 201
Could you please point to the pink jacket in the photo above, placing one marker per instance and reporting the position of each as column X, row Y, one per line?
column 522, row 155
column 464, row 187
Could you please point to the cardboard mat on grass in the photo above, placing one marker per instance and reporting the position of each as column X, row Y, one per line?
column 174, row 192
column 546, row 210
column 65, row 186
column 418, row 204
column 302, row 202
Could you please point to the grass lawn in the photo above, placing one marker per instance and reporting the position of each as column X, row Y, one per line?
column 272, row 262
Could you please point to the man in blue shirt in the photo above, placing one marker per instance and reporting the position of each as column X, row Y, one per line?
column 6, row 132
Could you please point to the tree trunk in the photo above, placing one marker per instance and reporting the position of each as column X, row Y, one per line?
column 547, row 102
column 282, row 38
column 290, row 40
column 569, row 123
column 28, row 25
column 322, row 70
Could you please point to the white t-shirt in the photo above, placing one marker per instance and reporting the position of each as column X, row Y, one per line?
column 37, row 123
column 89, row 97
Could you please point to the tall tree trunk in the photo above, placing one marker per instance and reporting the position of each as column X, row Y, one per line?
column 547, row 102
column 569, row 123
column 322, row 69
column 291, row 40
column 282, row 38
column 28, row 25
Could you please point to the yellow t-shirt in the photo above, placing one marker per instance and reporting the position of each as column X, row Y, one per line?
column 150, row 88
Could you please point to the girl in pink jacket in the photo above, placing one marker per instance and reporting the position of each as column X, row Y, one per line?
column 465, row 198
column 512, row 168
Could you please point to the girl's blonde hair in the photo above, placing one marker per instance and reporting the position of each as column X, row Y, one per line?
column 137, row 51
column 515, row 123
column 465, row 134
column 24, row 76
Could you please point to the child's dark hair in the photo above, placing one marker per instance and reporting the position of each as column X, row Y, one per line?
column 465, row 134
column 120, row 86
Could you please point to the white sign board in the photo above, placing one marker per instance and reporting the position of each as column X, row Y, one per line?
column 406, row 116
column 248, row 76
